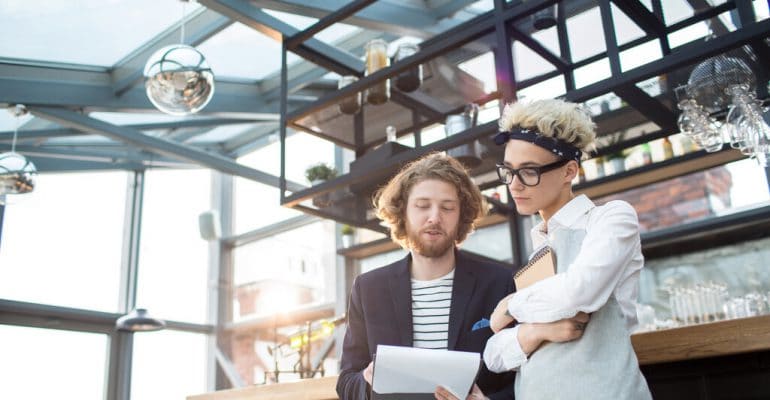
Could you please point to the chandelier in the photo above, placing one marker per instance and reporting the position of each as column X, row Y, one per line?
column 716, row 84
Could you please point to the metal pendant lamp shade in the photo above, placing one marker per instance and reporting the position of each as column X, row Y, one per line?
column 178, row 80
column 17, row 174
column 139, row 320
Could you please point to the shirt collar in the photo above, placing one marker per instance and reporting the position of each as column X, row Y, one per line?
column 567, row 215
column 574, row 209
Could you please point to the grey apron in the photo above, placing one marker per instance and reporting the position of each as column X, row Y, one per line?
column 600, row 365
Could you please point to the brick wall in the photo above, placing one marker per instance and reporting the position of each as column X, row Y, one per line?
column 678, row 200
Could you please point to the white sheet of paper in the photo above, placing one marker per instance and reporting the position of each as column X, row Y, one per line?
column 412, row 370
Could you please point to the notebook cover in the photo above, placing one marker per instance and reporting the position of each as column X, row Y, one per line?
column 542, row 265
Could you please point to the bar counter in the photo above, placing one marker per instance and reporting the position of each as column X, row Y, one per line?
column 718, row 360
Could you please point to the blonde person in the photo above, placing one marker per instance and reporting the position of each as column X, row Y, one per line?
column 598, row 256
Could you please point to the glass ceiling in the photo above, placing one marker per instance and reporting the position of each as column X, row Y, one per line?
column 101, row 33
column 94, row 32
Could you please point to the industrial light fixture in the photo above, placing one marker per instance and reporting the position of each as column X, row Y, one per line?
column 139, row 320
column 544, row 18
column 178, row 79
column 17, row 174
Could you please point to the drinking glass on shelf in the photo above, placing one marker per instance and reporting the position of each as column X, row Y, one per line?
column 409, row 80
column 755, row 304
column 736, row 308
column 350, row 104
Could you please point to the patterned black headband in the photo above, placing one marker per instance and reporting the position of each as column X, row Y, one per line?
column 556, row 146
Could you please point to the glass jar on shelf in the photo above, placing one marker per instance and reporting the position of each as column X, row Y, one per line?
column 377, row 59
column 409, row 80
column 351, row 104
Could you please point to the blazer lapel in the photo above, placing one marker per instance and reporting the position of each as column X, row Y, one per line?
column 401, row 294
column 462, row 292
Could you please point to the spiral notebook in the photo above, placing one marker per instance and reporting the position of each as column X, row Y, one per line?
column 540, row 266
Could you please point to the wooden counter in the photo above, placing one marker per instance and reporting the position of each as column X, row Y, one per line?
column 720, row 338
column 723, row 338
column 309, row 389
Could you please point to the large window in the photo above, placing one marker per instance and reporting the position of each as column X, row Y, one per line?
column 173, row 259
column 62, row 243
column 285, row 271
column 168, row 365
column 52, row 364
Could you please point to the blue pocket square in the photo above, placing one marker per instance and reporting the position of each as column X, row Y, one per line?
column 482, row 323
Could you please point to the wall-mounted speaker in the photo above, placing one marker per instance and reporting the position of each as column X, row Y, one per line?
column 209, row 225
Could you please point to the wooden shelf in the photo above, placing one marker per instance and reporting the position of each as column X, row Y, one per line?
column 714, row 339
column 637, row 177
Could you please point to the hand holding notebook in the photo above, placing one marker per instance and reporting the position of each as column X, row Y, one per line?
column 542, row 265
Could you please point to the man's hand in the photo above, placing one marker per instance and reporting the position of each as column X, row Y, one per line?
column 443, row 394
column 531, row 336
column 500, row 317
column 367, row 372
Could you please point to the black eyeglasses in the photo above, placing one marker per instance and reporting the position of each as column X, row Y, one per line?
column 528, row 176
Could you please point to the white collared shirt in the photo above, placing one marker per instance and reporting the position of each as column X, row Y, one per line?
column 607, row 263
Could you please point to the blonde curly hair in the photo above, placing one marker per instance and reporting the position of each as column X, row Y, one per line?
column 559, row 119
column 390, row 201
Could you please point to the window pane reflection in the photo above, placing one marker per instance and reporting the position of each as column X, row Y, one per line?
column 62, row 243
column 52, row 364
column 285, row 271
column 168, row 365
column 173, row 259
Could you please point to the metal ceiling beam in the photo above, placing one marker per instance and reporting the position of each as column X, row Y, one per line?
column 314, row 50
column 642, row 16
column 651, row 108
column 304, row 72
column 126, row 155
column 199, row 26
column 680, row 57
column 27, row 134
column 92, row 90
column 327, row 21
column 538, row 48
column 248, row 137
column 383, row 15
column 155, row 145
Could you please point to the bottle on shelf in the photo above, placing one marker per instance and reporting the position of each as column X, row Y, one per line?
column 390, row 133
column 377, row 59
column 668, row 149
column 646, row 154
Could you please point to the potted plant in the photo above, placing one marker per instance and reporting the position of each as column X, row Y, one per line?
column 316, row 174
column 347, row 232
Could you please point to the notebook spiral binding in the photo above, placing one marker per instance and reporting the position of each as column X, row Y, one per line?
column 537, row 256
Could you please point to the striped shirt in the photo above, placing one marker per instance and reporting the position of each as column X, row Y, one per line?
column 430, row 311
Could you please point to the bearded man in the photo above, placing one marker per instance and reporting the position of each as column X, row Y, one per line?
column 436, row 297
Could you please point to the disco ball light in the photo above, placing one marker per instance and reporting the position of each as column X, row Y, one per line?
column 178, row 80
column 17, row 174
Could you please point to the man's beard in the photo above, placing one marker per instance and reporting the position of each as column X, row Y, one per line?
column 430, row 249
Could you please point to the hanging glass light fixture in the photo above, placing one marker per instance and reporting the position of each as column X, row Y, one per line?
column 17, row 174
column 720, row 83
column 178, row 79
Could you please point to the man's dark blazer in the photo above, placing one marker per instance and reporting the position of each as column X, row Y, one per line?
column 380, row 312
